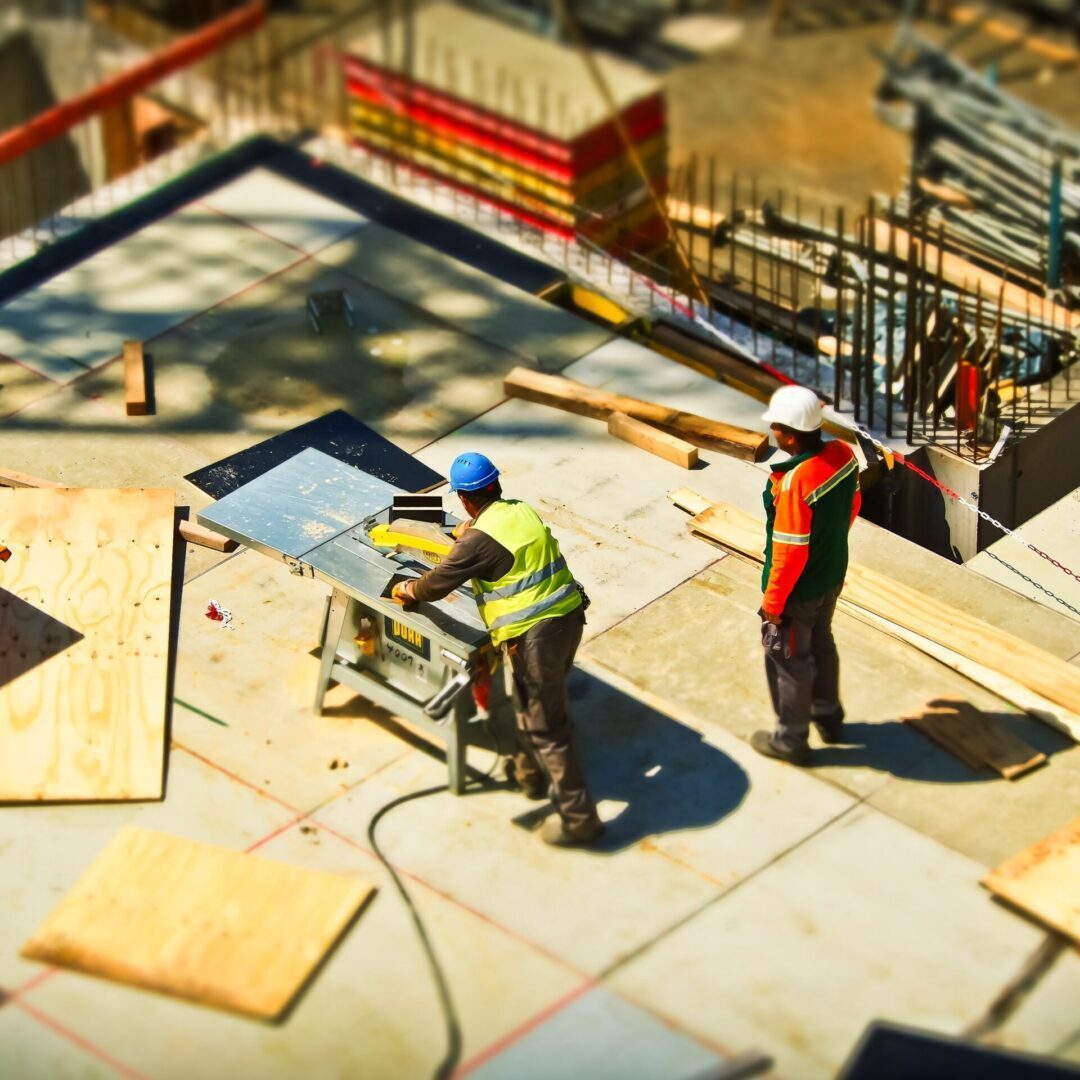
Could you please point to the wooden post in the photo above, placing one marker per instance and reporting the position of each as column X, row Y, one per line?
column 135, row 394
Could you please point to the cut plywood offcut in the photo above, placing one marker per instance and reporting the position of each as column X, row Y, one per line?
column 919, row 619
column 1044, row 880
column 977, row 739
column 90, row 570
column 199, row 922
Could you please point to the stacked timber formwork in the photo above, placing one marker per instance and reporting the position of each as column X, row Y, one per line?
column 516, row 121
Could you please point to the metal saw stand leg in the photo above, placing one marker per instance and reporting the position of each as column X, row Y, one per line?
column 457, row 742
column 333, row 620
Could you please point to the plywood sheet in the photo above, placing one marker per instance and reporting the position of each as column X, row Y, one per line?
column 84, row 640
column 200, row 922
column 1044, row 880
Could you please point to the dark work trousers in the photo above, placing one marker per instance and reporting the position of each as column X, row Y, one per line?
column 541, row 659
column 803, row 668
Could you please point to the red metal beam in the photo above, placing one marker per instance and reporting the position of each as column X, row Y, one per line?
column 180, row 54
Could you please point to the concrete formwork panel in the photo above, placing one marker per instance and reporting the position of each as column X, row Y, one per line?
column 603, row 1037
column 32, row 1046
column 285, row 211
column 45, row 849
column 586, row 908
column 138, row 288
column 531, row 330
column 370, row 1011
column 246, row 695
column 867, row 920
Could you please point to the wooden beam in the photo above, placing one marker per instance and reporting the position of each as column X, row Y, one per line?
column 1044, row 880
column 194, row 533
column 923, row 617
column 657, row 442
column 977, row 739
column 562, row 393
column 135, row 379
column 11, row 478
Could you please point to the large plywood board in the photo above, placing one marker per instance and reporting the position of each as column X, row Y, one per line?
column 199, row 921
column 84, row 640
column 1044, row 880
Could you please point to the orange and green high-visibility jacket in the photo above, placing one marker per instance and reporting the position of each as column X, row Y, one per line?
column 811, row 501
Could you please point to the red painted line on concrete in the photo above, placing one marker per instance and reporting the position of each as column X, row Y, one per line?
column 40, row 374
column 273, row 835
column 238, row 779
column 84, row 1044
column 518, row 1033
column 32, row 983
column 254, row 228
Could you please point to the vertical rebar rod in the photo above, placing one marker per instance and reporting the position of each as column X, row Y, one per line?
column 841, row 314
column 753, row 269
column 909, row 336
column 871, row 308
column 857, row 327
column 795, row 304
column 712, row 229
column 890, row 321
column 978, row 369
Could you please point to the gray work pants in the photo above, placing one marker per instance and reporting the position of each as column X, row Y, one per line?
column 541, row 659
column 802, row 667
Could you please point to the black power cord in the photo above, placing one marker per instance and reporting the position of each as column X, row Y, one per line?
column 453, row 1026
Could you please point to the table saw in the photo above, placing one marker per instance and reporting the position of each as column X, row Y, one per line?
column 319, row 516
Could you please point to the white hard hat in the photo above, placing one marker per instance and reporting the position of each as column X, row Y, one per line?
column 796, row 407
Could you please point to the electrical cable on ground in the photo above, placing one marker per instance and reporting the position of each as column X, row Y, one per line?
column 452, row 1057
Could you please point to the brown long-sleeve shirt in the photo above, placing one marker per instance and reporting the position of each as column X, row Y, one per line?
column 475, row 555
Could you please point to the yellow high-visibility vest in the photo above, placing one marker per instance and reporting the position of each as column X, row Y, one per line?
column 538, row 586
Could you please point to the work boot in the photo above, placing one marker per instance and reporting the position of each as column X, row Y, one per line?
column 559, row 834
column 830, row 725
column 763, row 743
column 533, row 785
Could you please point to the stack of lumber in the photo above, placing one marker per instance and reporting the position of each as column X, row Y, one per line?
column 983, row 158
column 515, row 120
column 1015, row 670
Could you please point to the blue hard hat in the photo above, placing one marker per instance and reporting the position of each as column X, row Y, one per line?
column 472, row 472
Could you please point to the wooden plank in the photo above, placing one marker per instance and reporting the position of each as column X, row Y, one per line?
column 135, row 379
column 562, row 393
column 923, row 615
column 194, row 533
column 975, row 738
column 84, row 643
column 1044, row 880
column 652, row 439
column 12, row 479
column 198, row 921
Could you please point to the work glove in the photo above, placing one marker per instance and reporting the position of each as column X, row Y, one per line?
column 402, row 594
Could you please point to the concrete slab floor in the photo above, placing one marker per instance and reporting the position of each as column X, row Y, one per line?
column 706, row 629
column 371, row 1011
column 847, row 927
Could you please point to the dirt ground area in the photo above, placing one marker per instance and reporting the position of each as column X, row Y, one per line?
column 795, row 111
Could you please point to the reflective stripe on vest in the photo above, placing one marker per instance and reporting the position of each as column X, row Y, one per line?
column 538, row 585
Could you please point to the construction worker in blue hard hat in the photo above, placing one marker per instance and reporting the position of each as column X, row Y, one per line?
column 535, row 611
column 811, row 502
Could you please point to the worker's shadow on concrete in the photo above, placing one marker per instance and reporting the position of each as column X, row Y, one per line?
column 897, row 748
column 665, row 773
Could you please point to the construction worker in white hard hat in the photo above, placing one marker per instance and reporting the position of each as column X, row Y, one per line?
column 535, row 612
column 811, row 502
